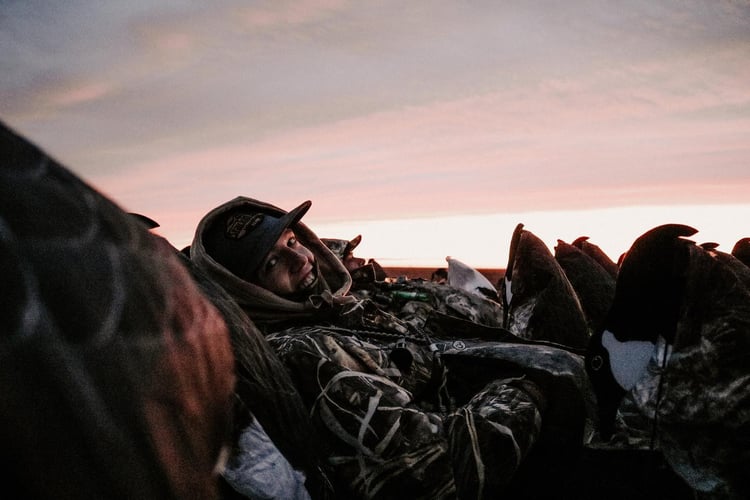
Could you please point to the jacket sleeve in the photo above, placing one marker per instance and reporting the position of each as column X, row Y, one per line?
column 380, row 444
column 383, row 443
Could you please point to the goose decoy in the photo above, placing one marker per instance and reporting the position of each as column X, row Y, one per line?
column 594, row 285
column 736, row 265
column 741, row 250
column 116, row 372
column 539, row 303
column 596, row 253
column 677, row 341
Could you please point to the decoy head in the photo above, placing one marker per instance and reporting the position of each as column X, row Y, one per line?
column 741, row 250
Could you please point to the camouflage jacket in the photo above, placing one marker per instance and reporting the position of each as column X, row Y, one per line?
column 404, row 407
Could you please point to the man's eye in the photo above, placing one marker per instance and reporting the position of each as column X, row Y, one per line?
column 271, row 262
column 291, row 241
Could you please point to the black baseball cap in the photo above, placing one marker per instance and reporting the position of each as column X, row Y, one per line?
column 241, row 238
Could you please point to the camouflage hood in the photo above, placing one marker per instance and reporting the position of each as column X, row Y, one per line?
column 263, row 306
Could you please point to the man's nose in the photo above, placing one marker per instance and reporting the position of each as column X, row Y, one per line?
column 297, row 259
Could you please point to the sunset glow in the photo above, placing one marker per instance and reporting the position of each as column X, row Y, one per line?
column 484, row 241
column 431, row 129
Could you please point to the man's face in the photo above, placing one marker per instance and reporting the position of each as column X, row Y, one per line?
column 288, row 269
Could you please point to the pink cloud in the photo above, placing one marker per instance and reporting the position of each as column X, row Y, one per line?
column 278, row 13
column 84, row 92
column 561, row 144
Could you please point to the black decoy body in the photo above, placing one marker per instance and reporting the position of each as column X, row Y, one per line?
column 677, row 339
column 116, row 372
column 539, row 303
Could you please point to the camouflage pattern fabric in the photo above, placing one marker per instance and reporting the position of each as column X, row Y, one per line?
column 392, row 434
column 702, row 409
column 569, row 416
column 271, row 424
column 416, row 301
column 398, row 413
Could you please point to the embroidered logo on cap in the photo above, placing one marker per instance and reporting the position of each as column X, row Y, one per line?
column 239, row 225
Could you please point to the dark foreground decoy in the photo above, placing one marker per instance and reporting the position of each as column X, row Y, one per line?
column 677, row 341
column 116, row 373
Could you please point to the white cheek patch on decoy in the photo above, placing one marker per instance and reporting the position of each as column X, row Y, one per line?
column 628, row 360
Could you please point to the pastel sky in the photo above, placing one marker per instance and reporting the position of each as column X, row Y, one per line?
column 429, row 127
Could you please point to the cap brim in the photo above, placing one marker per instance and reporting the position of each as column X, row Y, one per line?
column 271, row 237
column 293, row 216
